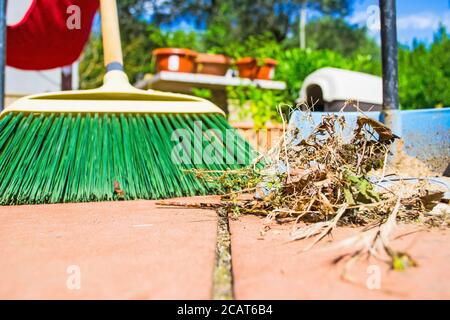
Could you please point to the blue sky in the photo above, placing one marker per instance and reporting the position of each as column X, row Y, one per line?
column 415, row 18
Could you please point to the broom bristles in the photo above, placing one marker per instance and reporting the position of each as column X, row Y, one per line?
column 94, row 157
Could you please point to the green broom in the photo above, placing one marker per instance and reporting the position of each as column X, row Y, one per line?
column 113, row 142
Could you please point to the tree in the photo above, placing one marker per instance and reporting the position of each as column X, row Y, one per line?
column 247, row 18
column 328, row 33
column 135, row 46
column 424, row 73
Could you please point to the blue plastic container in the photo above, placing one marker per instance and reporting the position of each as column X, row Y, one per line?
column 426, row 132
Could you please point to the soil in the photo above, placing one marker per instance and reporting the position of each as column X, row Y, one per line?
column 405, row 165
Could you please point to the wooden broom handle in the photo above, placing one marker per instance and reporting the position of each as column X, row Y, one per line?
column 111, row 35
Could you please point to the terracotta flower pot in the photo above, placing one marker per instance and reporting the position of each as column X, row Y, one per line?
column 249, row 68
column 216, row 64
column 267, row 70
column 175, row 59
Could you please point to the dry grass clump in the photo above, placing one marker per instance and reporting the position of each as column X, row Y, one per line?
column 314, row 176
column 321, row 180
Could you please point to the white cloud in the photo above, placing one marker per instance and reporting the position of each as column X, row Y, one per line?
column 359, row 17
column 418, row 21
column 423, row 21
column 419, row 25
column 370, row 18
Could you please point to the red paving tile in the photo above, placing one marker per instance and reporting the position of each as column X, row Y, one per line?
column 130, row 250
column 274, row 268
column 139, row 250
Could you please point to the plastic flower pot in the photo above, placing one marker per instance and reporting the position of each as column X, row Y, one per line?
column 215, row 64
column 175, row 60
column 252, row 68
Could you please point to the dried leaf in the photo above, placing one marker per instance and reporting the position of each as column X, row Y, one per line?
column 384, row 133
column 402, row 261
column 430, row 200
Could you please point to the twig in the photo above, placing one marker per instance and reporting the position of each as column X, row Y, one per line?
column 329, row 228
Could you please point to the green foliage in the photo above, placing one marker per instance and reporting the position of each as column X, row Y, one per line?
column 296, row 64
column 202, row 93
column 136, row 56
column 244, row 18
column 359, row 190
column 260, row 105
column 328, row 33
column 424, row 74
column 177, row 39
column 91, row 68
column 134, row 43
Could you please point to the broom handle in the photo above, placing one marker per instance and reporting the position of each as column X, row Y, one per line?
column 111, row 35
